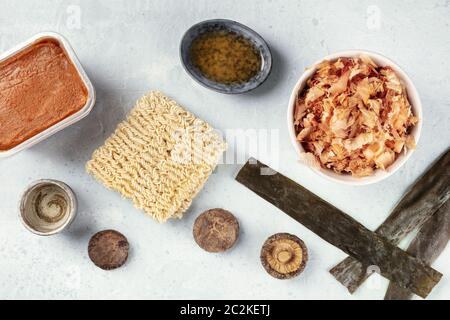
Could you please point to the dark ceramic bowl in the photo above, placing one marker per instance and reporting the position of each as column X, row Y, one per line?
column 232, row 26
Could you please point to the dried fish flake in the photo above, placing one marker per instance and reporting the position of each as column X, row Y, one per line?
column 354, row 116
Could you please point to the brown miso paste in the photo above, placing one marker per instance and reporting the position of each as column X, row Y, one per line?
column 225, row 57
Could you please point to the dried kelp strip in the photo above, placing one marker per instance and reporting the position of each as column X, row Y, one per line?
column 422, row 200
column 429, row 243
column 338, row 228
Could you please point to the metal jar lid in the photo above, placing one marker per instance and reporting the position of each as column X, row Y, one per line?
column 47, row 207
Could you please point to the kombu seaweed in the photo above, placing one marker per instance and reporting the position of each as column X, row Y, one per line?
column 427, row 246
column 421, row 201
column 338, row 228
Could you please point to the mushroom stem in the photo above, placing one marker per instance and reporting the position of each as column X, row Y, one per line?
column 284, row 256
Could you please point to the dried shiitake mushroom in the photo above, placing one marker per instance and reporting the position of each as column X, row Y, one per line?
column 108, row 249
column 216, row 230
column 284, row 256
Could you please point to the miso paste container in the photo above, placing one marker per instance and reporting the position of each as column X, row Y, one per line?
column 17, row 53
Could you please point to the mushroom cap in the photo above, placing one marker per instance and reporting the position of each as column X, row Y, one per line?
column 108, row 249
column 284, row 255
column 216, row 230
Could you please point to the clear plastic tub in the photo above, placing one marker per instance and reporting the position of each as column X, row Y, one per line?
column 72, row 118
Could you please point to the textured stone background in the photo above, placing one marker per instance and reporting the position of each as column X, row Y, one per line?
column 130, row 47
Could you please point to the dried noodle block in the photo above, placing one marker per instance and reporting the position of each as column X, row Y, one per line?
column 160, row 157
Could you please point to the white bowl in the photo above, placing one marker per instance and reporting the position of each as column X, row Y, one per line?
column 414, row 100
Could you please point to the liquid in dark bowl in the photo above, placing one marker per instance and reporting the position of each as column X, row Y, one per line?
column 226, row 56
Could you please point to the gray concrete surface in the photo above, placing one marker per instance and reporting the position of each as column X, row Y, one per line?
column 131, row 47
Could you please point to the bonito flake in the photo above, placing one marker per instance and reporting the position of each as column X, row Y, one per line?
column 354, row 117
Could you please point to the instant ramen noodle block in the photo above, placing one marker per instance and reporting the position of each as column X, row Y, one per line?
column 159, row 157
